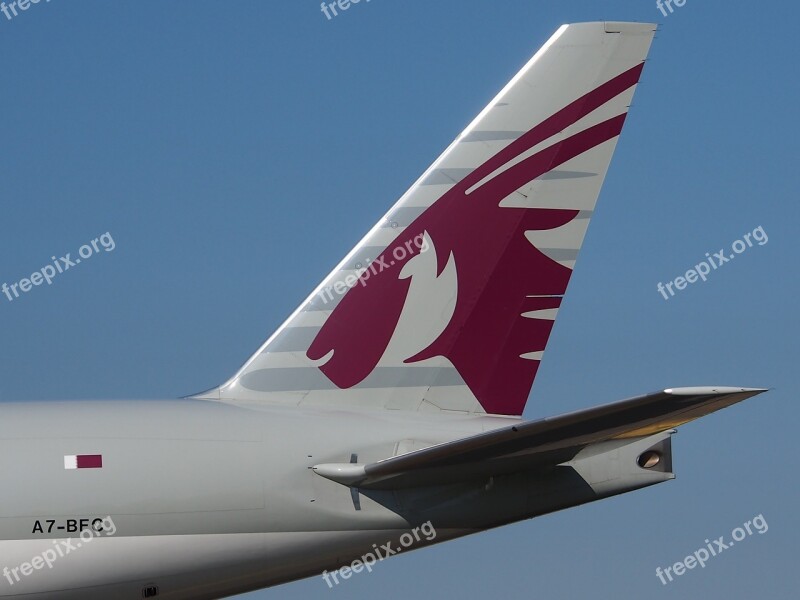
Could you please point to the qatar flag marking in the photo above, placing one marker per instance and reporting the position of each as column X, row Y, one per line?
column 83, row 461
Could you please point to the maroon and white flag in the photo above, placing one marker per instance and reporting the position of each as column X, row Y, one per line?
column 83, row 461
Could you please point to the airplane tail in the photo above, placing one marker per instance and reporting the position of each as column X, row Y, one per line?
column 448, row 302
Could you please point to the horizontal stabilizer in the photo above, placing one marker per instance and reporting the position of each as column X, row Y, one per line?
column 544, row 443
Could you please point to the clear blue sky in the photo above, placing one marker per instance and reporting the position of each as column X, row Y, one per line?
column 236, row 150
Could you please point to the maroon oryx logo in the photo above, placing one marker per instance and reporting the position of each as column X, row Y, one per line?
column 500, row 274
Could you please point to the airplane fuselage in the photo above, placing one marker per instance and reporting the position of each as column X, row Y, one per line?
column 204, row 499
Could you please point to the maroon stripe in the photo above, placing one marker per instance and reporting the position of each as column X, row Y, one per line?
column 90, row 461
column 569, row 115
column 554, row 156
